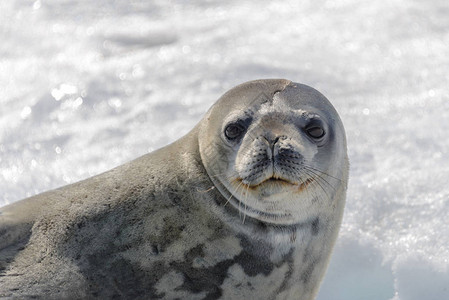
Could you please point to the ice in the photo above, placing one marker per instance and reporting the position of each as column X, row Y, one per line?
column 86, row 86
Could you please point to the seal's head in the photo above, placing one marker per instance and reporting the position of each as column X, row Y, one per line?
column 276, row 150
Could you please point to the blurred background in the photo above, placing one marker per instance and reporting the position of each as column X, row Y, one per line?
column 88, row 85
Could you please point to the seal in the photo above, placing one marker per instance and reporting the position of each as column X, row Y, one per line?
column 247, row 205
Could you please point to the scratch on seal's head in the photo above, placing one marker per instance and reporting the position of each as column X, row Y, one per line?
column 276, row 150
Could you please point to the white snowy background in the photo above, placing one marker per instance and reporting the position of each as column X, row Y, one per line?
column 88, row 85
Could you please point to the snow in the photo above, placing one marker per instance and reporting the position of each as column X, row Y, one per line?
column 86, row 86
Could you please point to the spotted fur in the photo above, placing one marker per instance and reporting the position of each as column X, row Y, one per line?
column 161, row 227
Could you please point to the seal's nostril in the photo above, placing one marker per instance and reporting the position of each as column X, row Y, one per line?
column 273, row 152
column 270, row 140
column 274, row 143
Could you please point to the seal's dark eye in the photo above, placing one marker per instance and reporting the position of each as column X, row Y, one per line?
column 233, row 131
column 315, row 132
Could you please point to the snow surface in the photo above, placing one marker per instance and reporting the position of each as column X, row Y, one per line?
column 88, row 85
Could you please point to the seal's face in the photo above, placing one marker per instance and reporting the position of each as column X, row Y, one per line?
column 280, row 156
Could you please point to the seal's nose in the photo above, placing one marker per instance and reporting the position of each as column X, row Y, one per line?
column 272, row 144
column 271, row 140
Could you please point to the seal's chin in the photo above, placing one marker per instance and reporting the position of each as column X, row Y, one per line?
column 273, row 200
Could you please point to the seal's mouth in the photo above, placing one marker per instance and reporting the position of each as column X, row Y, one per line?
column 277, row 181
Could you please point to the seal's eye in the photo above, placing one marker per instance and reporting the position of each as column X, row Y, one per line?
column 233, row 131
column 315, row 132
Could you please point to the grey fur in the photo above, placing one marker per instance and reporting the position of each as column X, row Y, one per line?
column 159, row 227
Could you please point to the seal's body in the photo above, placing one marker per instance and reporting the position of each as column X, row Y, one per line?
column 245, row 206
